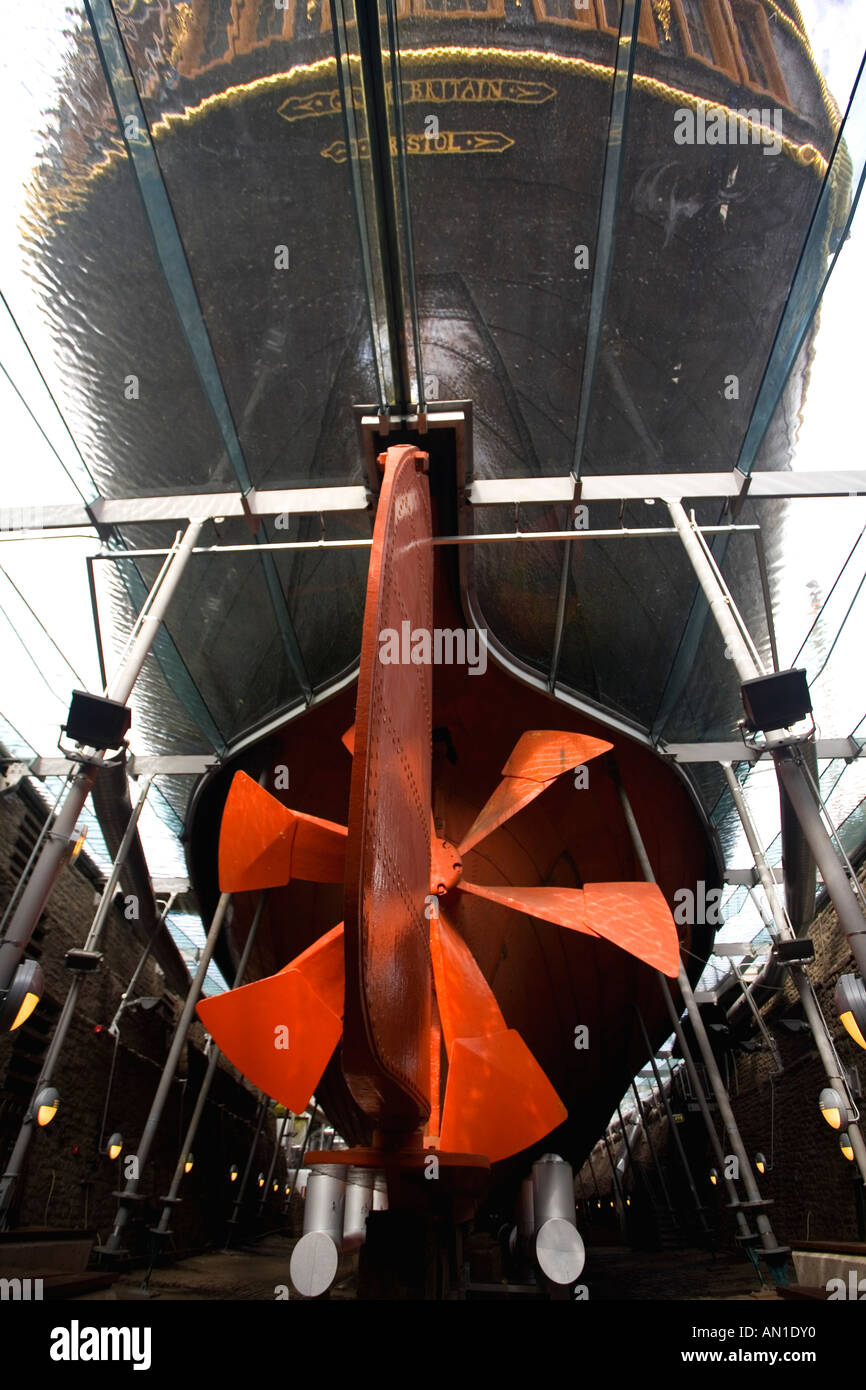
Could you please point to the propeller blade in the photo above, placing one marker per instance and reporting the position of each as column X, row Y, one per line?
column 281, row 1031
column 636, row 917
column 467, row 1004
column 633, row 916
column 497, row 1098
column 537, row 759
column 264, row 844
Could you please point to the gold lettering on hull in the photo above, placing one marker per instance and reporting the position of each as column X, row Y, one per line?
column 428, row 91
column 446, row 142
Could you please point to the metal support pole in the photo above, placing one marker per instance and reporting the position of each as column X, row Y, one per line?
column 25, row 1134
column 775, row 1253
column 130, row 1193
column 239, row 1200
column 836, row 881
column 277, row 1146
column 758, row 1017
column 195, row 1119
column 653, row 1151
column 786, row 758
column 625, row 1140
column 647, row 870
column 55, row 853
column 594, row 1180
column 696, row 1196
column 811, row 1008
column 616, row 1185
column 114, row 1025
column 697, row 1086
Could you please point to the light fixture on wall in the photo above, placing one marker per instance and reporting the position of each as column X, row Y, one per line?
column 45, row 1105
column 760, row 1163
column 188, row 1162
column 849, row 1000
column 233, row 1173
column 714, row 1177
column 22, row 996
column 115, row 1145
column 833, row 1108
column 846, row 1146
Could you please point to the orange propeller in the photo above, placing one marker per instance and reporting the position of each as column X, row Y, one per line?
column 265, row 845
column 281, row 1032
column 633, row 916
column 537, row 759
column 497, row 1098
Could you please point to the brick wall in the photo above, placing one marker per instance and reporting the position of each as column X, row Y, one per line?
column 68, row 1179
column 814, row 1189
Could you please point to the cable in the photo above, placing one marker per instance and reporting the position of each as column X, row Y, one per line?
column 53, row 402
column 50, row 1194
column 35, row 615
column 49, row 821
column 828, row 597
column 840, row 630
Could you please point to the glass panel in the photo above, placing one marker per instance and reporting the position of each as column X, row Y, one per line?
column 109, row 340
column 244, row 110
column 505, row 225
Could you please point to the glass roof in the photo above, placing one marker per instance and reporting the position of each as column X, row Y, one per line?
column 223, row 227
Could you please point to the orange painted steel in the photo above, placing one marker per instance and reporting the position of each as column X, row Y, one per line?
column 385, row 963
column 264, row 844
column 633, row 916
column 497, row 1099
column 281, row 1032
column 537, row 759
column 467, row 1004
column 386, row 1040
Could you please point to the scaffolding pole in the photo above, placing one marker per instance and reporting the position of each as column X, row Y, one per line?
column 55, row 852
column 172, row 1199
column 277, row 1146
column 786, row 758
column 25, row 1134
column 678, row 1143
column 775, row 1254
column 130, row 1193
column 239, row 1200
column 814, row 1017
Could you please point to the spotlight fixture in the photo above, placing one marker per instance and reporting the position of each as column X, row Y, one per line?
column 833, row 1108
column 793, row 1025
column 287, row 1189
column 795, row 952
column 22, row 996
column 81, row 961
column 233, row 1173
column 760, row 1163
column 261, row 1179
column 777, row 701
column 849, row 1001
column 114, row 1145
column 846, row 1146
column 187, row 1164
column 276, row 1187
column 96, row 721
column 45, row 1105
column 714, row 1177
